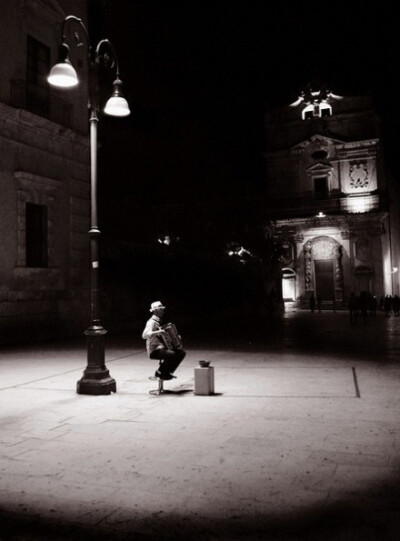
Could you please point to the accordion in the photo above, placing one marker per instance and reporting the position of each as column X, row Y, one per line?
column 171, row 336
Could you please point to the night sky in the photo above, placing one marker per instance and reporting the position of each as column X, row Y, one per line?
column 199, row 75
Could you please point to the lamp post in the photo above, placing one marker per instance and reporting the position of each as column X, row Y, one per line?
column 96, row 378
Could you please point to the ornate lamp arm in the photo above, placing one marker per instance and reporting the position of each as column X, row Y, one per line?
column 98, row 56
column 73, row 18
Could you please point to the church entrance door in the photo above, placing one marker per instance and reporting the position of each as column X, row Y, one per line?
column 324, row 279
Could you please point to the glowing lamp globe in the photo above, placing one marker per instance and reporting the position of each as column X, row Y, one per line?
column 117, row 104
column 63, row 75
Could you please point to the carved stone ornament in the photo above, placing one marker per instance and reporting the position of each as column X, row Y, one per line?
column 287, row 253
column 362, row 249
column 307, row 265
column 323, row 248
column 358, row 174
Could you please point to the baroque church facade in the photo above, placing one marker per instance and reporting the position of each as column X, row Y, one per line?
column 330, row 200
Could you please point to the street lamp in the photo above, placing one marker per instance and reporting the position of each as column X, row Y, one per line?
column 96, row 378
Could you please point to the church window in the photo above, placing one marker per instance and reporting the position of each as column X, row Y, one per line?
column 325, row 110
column 38, row 66
column 321, row 154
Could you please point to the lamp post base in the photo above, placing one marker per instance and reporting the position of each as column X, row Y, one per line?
column 88, row 385
column 96, row 378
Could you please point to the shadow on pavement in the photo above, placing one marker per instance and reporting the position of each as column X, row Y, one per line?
column 372, row 515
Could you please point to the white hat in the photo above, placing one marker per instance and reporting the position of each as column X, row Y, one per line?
column 155, row 305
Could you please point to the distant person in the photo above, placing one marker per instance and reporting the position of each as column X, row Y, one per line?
column 312, row 302
column 387, row 305
column 353, row 307
column 319, row 303
column 159, row 344
column 373, row 304
column 396, row 305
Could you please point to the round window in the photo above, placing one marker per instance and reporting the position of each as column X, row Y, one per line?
column 320, row 154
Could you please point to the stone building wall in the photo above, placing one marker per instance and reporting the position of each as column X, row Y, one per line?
column 44, row 165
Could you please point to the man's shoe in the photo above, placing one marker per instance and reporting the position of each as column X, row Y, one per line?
column 164, row 377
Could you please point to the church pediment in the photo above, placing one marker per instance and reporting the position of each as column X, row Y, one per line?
column 317, row 141
column 318, row 147
column 319, row 168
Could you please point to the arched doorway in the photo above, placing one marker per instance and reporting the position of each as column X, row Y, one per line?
column 323, row 268
column 288, row 284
